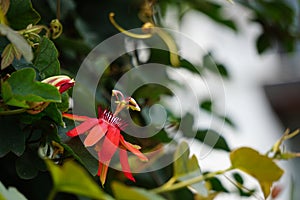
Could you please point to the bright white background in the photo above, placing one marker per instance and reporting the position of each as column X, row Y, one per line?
column 244, row 100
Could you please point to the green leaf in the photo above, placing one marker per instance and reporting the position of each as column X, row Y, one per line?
column 212, row 65
column 54, row 113
column 79, row 151
column 162, row 136
column 21, row 64
column 182, row 163
column 64, row 105
column 228, row 121
column 18, row 41
column 22, row 88
column 206, row 105
column 11, row 137
column 213, row 139
column 10, row 194
column 238, row 178
column 216, row 185
column 29, row 164
column 186, row 168
column 123, row 192
column 152, row 92
column 46, row 59
column 207, row 136
column 212, row 10
column 189, row 66
column 243, row 192
column 7, row 56
column 258, row 166
column 186, row 125
column 20, row 14
column 263, row 42
column 9, row 53
column 72, row 178
column 3, row 42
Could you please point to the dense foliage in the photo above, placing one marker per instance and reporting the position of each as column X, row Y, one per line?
column 51, row 128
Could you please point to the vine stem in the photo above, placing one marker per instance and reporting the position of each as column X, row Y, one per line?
column 52, row 194
column 58, row 9
column 165, row 188
column 12, row 112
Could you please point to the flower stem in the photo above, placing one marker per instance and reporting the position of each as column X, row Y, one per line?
column 165, row 188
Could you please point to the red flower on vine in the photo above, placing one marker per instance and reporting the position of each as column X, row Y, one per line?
column 104, row 133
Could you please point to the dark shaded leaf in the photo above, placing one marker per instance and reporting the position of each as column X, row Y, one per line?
column 212, row 65
column 54, row 113
column 20, row 14
column 22, row 63
column 162, row 136
column 216, row 185
column 11, row 137
column 243, row 191
column 206, row 105
column 151, row 93
column 213, row 139
column 29, row 164
column 206, row 136
column 189, row 66
column 238, row 178
column 263, row 43
column 228, row 121
column 46, row 59
column 212, row 10
column 79, row 151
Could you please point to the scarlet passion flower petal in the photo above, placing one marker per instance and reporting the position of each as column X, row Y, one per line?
column 110, row 144
column 83, row 127
column 64, row 87
column 133, row 150
column 125, row 165
column 95, row 134
column 102, row 170
column 75, row 117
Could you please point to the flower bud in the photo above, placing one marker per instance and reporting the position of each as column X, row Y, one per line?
column 61, row 82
